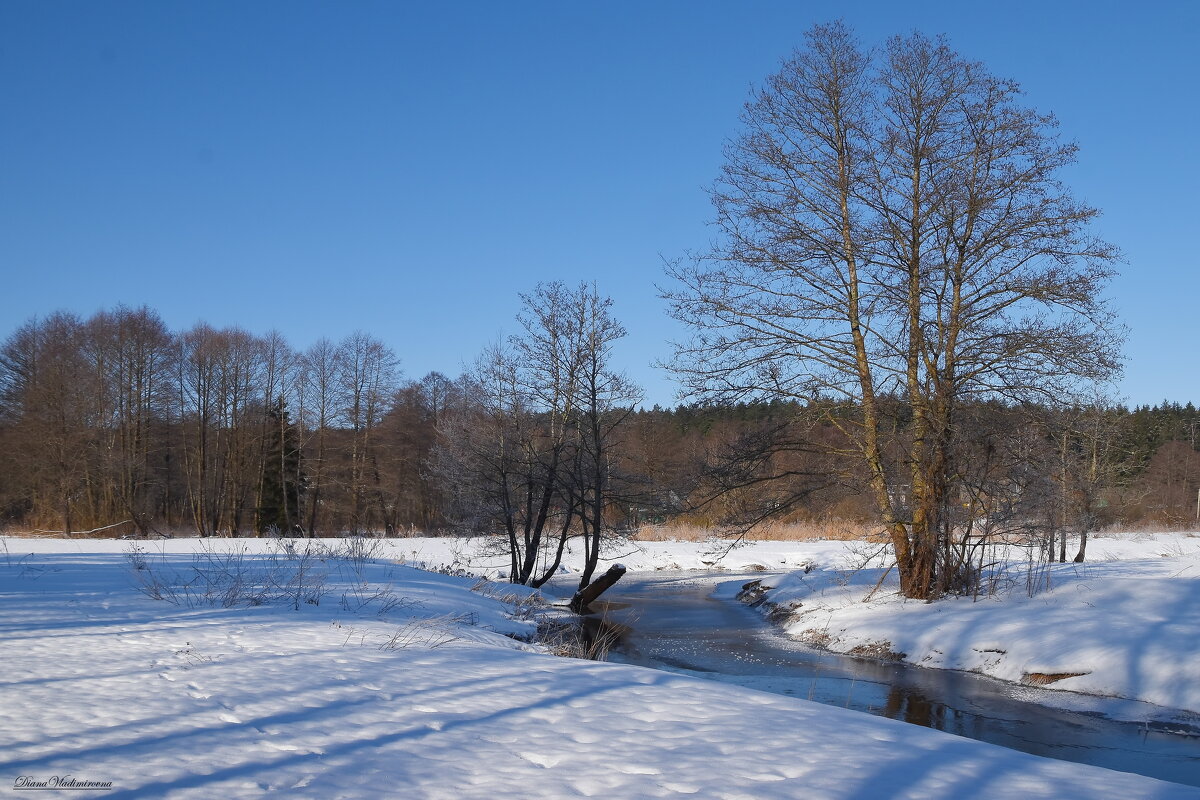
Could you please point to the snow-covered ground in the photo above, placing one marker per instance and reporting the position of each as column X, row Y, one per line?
column 403, row 683
column 1125, row 623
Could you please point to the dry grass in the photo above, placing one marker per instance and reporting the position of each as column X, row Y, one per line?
column 805, row 531
column 879, row 649
column 1146, row 527
column 1047, row 678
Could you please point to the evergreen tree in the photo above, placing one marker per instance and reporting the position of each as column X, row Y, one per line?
column 283, row 483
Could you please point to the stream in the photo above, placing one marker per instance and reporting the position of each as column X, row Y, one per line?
column 675, row 622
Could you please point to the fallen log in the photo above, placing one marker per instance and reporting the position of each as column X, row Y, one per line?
column 584, row 597
column 40, row 532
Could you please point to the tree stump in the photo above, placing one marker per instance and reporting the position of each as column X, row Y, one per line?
column 584, row 597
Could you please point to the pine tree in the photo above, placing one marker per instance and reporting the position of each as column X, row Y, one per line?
column 283, row 477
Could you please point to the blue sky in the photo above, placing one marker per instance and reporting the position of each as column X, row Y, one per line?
column 407, row 168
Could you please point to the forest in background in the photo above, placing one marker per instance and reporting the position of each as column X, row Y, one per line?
column 117, row 425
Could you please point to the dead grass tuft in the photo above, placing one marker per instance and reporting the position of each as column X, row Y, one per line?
column 1047, row 678
column 880, row 649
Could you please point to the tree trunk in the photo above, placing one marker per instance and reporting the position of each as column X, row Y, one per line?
column 584, row 597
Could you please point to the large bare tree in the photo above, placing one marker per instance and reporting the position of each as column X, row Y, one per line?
column 893, row 233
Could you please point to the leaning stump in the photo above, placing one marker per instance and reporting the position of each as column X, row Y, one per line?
column 584, row 597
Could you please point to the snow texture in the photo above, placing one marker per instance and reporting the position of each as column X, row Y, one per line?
column 405, row 683
column 1125, row 625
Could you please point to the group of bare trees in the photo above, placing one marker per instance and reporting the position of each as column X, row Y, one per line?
column 532, row 445
column 116, row 418
column 83, row 405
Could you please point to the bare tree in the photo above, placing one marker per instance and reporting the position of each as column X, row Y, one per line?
column 49, row 394
column 219, row 372
column 1089, row 464
column 408, row 435
column 131, row 352
column 605, row 400
column 530, row 451
column 484, row 453
column 318, row 401
column 367, row 377
column 891, row 226
column 278, row 465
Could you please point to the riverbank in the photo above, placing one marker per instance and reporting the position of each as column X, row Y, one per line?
column 358, row 677
column 689, row 623
column 1125, row 624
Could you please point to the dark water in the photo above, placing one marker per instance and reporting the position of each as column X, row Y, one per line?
column 671, row 621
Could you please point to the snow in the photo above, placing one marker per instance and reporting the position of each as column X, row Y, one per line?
column 1127, row 619
column 1124, row 625
column 402, row 682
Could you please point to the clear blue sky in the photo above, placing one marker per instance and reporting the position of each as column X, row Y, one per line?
column 406, row 168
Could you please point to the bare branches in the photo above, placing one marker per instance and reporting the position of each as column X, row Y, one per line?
column 530, row 451
column 892, row 224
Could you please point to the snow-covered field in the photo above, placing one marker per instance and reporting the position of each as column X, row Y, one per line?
column 403, row 683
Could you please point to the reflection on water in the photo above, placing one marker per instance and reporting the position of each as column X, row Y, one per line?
column 671, row 622
column 915, row 708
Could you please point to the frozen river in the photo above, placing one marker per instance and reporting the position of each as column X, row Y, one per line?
column 675, row 621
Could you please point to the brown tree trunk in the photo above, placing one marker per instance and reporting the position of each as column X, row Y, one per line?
column 1082, row 547
column 584, row 597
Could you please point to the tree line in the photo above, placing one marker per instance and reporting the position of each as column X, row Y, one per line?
column 115, row 419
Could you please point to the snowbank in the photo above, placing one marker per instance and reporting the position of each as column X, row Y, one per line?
column 1124, row 624
column 413, row 692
